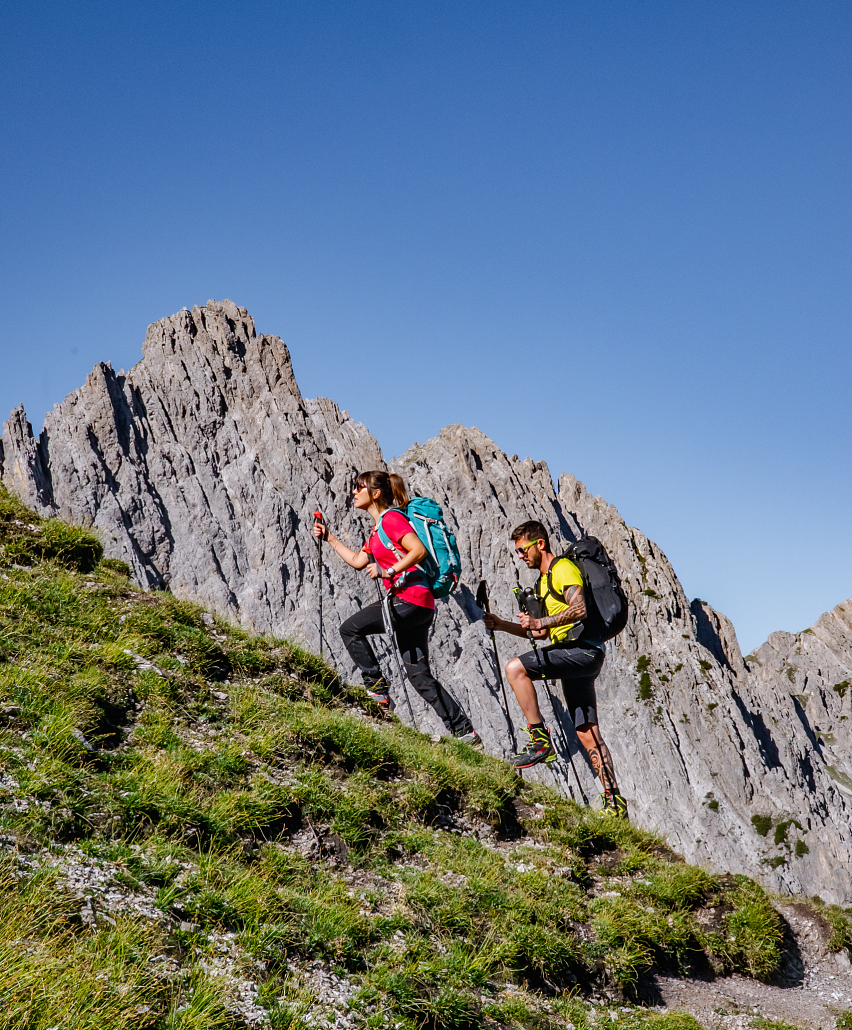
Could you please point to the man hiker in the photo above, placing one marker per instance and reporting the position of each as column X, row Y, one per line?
column 572, row 657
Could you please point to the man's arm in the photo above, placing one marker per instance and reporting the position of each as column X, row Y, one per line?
column 493, row 622
column 575, row 612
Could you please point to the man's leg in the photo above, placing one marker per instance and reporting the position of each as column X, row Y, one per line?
column 578, row 670
column 520, row 682
column 521, row 672
column 589, row 735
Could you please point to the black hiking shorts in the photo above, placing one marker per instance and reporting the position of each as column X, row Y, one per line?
column 577, row 668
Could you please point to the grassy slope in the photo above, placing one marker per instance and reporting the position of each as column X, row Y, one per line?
column 252, row 840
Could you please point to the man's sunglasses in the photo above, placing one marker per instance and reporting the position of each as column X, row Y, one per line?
column 520, row 551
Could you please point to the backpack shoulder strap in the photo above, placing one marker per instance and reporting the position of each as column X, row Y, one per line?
column 550, row 592
column 385, row 539
column 389, row 544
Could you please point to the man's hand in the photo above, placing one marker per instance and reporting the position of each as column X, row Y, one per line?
column 493, row 622
column 530, row 625
column 527, row 622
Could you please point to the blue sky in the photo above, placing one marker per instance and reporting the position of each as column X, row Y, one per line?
column 612, row 235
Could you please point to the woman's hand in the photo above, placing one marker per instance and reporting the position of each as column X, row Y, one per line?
column 373, row 571
column 321, row 530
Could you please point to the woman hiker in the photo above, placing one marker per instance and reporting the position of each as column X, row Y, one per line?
column 411, row 600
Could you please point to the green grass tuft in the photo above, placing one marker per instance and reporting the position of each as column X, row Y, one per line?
column 762, row 824
column 751, row 938
column 760, row 1023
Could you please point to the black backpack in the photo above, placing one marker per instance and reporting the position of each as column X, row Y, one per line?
column 606, row 605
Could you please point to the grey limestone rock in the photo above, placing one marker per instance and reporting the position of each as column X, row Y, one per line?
column 202, row 465
column 21, row 466
column 813, row 669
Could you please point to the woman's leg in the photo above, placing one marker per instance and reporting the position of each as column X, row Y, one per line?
column 412, row 623
column 354, row 632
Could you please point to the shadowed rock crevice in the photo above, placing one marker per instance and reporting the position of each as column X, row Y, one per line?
column 716, row 633
column 760, row 732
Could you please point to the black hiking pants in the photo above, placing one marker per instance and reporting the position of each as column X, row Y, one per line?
column 411, row 628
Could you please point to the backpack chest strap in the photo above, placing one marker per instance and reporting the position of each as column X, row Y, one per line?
column 385, row 539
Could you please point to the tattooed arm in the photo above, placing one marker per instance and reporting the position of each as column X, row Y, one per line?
column 575, row 612
column 493, row 622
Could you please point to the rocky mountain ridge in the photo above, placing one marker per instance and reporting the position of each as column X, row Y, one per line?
column 200, row 468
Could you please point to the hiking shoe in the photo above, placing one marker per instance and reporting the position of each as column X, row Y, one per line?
column 379, row 696
column 473, row 739
column 614, row 803
column 539, row 749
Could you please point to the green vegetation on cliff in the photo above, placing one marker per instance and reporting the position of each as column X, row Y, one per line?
column 200, row 828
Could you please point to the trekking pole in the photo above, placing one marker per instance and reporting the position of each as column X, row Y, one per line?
column 523, row 598
column 482, row 601
column 318, row 518
column 387, row 618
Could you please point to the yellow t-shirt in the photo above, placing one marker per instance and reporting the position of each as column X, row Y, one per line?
column 563, row 574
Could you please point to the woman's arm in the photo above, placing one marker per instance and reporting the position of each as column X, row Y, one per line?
column 357, row 559
column 415, row 552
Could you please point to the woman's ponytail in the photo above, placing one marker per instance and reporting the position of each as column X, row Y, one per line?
column 400, row 494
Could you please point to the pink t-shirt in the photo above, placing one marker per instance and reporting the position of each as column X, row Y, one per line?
column 396, row 526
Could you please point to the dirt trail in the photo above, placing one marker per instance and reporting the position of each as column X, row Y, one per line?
column 814, row 987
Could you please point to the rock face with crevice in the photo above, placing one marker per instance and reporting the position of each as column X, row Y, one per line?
column 201, row 466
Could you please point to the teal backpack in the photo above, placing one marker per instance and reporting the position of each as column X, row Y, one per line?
column 442, row 564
